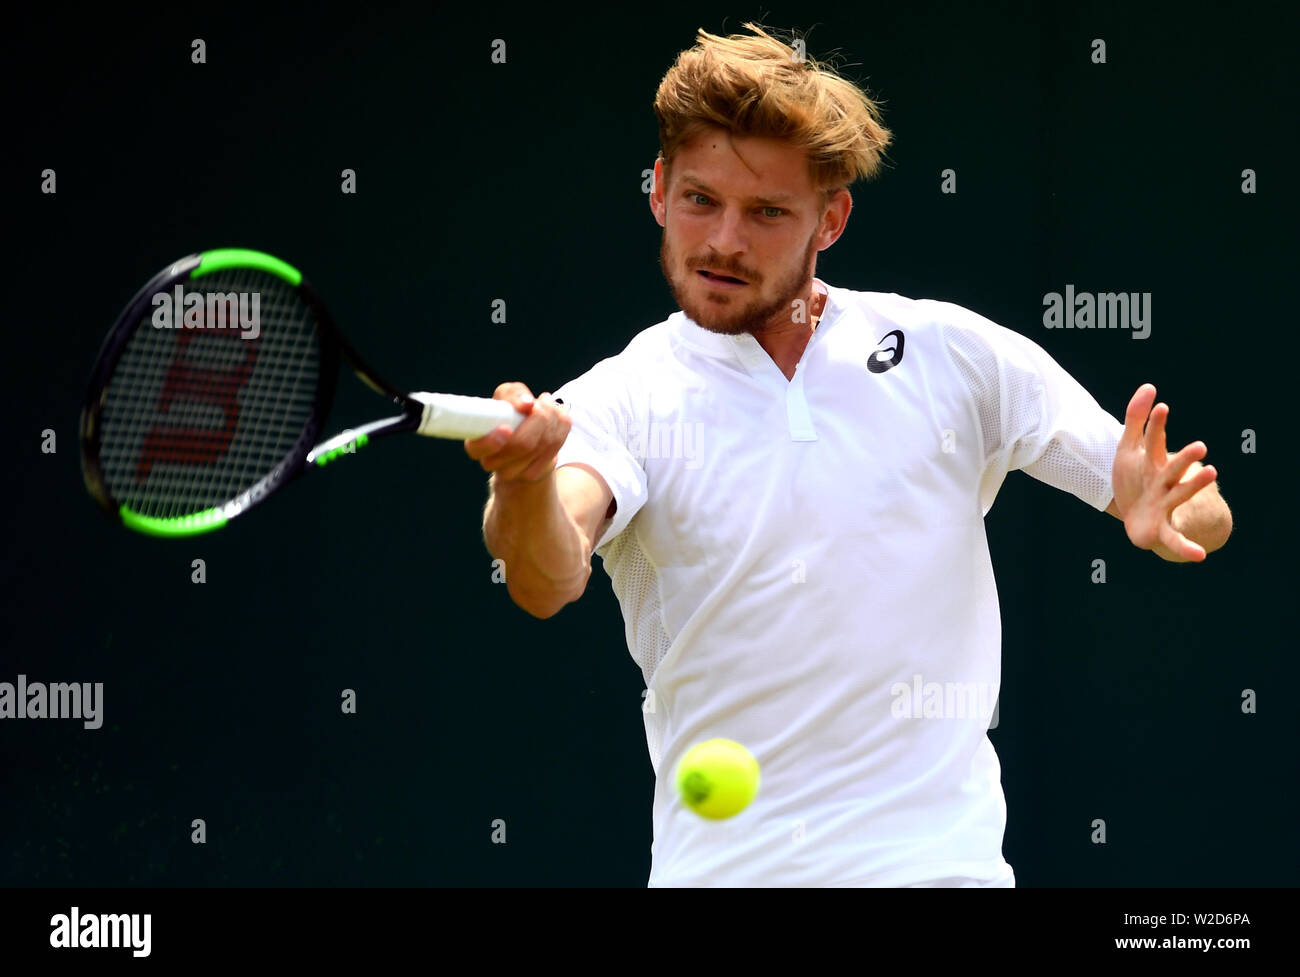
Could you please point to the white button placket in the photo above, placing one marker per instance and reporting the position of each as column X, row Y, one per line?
column 796, row 408
column 760, row 366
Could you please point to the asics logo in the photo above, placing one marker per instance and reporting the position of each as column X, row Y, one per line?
column 884, row 357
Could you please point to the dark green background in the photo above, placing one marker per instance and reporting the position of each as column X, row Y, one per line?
column 522, row 182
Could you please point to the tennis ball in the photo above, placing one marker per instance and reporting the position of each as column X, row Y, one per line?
column 717, row 778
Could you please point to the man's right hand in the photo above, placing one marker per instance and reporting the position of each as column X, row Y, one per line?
column 528, row 453
column 542, row 521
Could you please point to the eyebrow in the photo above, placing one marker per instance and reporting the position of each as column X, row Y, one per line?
column 779, row 198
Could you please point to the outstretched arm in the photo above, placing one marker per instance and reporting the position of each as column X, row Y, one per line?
column 542, row 521
column 1168, row 503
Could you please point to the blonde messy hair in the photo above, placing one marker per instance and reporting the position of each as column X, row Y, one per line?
column 760, row 86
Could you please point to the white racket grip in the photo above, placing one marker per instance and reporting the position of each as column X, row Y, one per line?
column 461, row 418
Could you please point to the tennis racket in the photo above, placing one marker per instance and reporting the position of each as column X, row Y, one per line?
column 213, row 388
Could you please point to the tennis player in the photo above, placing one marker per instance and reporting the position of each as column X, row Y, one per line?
column 787, row 482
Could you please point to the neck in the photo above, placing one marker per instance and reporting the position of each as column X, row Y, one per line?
column 786, row 344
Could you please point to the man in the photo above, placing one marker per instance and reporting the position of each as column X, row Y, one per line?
column 787, row 482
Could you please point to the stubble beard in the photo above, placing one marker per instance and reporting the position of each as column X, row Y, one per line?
column 723, row 312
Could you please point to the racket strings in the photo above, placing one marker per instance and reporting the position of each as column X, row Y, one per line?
column 193, row 417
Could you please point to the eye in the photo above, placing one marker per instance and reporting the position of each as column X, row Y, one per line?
column 772, row 212
column 698, row 198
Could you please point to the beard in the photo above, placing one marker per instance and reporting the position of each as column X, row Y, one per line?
column 732, row 313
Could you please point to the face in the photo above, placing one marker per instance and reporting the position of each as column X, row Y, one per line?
column 743, row 207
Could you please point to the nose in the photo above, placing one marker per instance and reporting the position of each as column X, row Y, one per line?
column 727, row 237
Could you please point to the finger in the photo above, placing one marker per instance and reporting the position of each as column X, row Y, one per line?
column 533, row 459
column 1135, row 416
column 516, row 394
column 1180, row 545
column 521, row 449
column 1178, row 464
column 488, row 444
column 538, row 436
column 1183, row 491
column 555, row 408
column 506, row 449
column 521, row 399
column 1155, row 436
column 507, row 465
column 493, row 462
column 524, row 440
column 554, row 418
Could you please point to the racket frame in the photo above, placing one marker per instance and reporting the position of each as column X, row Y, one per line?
column 304, row 450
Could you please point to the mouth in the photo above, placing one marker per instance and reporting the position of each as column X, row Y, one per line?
column 719, row 279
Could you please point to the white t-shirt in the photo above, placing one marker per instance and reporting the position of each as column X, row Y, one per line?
column 802, row 567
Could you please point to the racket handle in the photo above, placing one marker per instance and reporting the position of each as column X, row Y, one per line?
column 461, row 418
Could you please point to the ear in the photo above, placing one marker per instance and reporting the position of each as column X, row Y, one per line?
column 834, row 218
column 657, row 205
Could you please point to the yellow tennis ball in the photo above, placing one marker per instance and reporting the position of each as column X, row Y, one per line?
column 717, row 778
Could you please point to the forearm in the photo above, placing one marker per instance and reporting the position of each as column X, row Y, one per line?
column 1204, row 519
column 545, row 553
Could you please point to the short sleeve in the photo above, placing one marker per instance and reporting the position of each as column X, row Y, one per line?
column 1034, row 416
column 602, row 406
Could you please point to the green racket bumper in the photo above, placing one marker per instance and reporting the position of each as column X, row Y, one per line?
column 191, row 525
